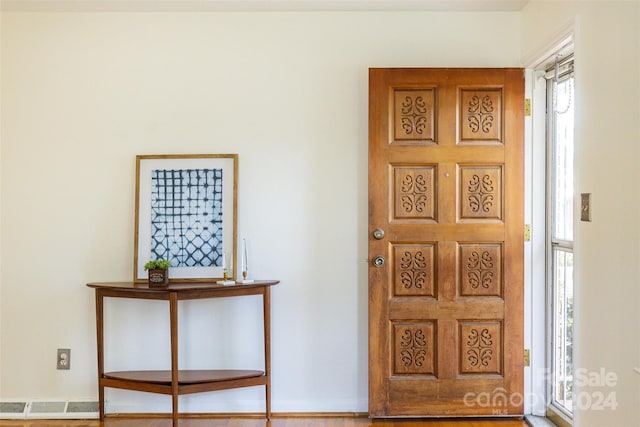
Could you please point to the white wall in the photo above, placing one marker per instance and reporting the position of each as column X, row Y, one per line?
column 607, row 52
column 83, row 93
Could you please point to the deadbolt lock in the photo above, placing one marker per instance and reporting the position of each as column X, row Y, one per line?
column 378, row 261
column 378, row 233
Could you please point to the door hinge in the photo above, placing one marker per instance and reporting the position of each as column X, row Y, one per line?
column 527, row 107
column 527, row 232
column 527, row 357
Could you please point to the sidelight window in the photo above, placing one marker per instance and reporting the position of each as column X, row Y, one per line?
column 560, row 185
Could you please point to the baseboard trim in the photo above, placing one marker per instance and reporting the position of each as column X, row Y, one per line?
column 48, row 410
column 320, row 415
column 247, row 415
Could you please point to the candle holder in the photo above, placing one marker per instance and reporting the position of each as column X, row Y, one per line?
column 226, row 280
column 245, row 263
column 244, row 278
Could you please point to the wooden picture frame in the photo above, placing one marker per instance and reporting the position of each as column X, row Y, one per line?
column 186, row 211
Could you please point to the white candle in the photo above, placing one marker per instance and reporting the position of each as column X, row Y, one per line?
column 244, row 255
column 224, row 262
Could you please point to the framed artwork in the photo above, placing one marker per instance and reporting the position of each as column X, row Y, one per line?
column 186, row 213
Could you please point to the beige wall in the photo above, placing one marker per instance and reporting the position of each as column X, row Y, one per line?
column 83, row 93
column 607, row 52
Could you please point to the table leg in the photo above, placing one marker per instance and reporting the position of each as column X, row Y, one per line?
column 266, row 300
column 173, row 313
column 100, row 342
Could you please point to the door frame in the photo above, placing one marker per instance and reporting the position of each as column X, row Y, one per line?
column 535, row 263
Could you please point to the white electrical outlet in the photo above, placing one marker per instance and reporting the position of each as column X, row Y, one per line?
column 64, row 358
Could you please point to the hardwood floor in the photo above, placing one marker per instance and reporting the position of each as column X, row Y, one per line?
column 276, row 422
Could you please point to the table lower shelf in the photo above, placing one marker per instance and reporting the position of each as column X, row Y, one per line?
column 189, row 381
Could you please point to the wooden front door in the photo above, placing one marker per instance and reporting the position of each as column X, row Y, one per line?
column 446, row 242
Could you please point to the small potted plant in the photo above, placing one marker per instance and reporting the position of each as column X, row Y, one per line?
column 158, row 272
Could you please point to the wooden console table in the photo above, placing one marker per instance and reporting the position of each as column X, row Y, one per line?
column 175, row 382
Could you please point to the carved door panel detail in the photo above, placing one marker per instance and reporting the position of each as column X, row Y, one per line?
column 480, row 270
column 414, row 116
column 414, row 348
column 414, row 267
column 413, row 193
column 480, row 348
column 481, row 115
column 480, row 192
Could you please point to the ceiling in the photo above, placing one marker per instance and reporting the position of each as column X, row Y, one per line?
column 262, row 5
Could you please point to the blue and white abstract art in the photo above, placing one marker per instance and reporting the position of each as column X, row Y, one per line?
column 186, row 216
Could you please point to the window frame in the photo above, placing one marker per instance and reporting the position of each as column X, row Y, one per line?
column 565, row 71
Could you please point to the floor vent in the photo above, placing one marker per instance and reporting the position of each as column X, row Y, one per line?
column 83, row 407
column 47, row 407
column 12, row 410
column 49, row 410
